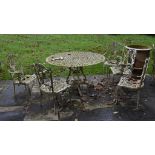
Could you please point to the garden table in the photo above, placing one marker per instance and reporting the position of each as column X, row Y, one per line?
column 75, row 61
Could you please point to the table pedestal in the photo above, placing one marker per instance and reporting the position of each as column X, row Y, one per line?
column 76, row 71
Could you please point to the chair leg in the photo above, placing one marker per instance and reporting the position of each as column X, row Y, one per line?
column 56, row 100
column 138, row 98
column 57, row 108
column 116, row 94
column 29, row 90
column 107, row 70
column 59, row 116
column 14, row 88
column 113, row 78
column 70, row 95
column 49, row 102
column 43, row 109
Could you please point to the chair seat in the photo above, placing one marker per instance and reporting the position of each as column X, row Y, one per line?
column 116, row 70
column 58, row 86
column 130, row 83
column 127, row 71
column 119, row 70
column 27, row 79
column 110, row 63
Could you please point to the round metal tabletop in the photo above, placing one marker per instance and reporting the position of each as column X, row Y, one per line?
column 75, row 59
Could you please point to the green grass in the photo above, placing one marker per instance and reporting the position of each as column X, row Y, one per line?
column 31, row 47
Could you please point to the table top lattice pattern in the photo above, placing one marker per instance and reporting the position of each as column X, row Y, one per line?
column 75, row 59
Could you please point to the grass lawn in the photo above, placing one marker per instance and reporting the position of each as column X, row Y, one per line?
column 31, row 47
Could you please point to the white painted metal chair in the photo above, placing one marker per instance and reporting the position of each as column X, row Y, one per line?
column 18, row 76
column 116, row 63
column 135, row 83
column 54, row 88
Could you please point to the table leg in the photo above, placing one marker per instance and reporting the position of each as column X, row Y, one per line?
column 81, row 69
column 70, row 72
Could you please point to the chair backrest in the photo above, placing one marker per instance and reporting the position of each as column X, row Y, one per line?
column 43, row 74
column 15, row 71
column 138, row 61
column 11, row 61
column 142, row 78
column 153, row 54
column 16, row 75
column 115, row 52
column 132, row 57
column 0, row 66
